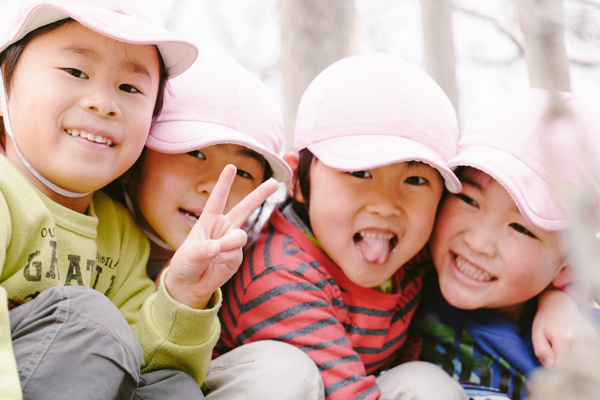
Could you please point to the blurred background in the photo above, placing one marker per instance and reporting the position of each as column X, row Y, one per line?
column 476, row 50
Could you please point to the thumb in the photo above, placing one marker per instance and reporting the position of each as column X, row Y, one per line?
column 190, row 253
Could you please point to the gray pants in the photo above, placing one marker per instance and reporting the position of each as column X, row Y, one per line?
column 265, row 370
column 274, row 370
column 419, row 380
column 71, row 342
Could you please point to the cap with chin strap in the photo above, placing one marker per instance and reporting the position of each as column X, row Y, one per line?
column 132, row 21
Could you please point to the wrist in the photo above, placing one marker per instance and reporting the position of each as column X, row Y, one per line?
column 181, row 293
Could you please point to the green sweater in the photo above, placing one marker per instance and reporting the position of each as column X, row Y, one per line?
column 43, row 244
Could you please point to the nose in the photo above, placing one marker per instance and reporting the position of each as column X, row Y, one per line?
column 480, row 238
column 206, row 182
column 384, row 202
column 102, row 101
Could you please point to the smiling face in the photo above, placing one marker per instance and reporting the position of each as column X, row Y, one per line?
column 80, row 107
column 370, row 223
column 487, row 254
column 172, row 189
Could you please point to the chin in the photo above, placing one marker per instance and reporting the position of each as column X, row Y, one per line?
column 369, row 282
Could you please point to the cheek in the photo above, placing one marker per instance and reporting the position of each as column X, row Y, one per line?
column 159, row 187
column 440, row 237
column 425, row 214
column 539, row 263
column 150, row 199
column 140, row 128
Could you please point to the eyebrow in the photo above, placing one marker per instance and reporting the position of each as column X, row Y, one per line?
column 95, row 56
column 251, row 153
column 471, row 182
column 419, row 165
column 483, row 189
column 85, row 52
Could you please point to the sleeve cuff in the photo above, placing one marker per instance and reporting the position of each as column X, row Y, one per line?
column 181, row 324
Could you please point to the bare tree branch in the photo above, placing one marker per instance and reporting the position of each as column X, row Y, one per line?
column 516, row 37
column 507, row 30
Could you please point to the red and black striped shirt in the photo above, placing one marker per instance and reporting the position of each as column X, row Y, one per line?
column 288, row 290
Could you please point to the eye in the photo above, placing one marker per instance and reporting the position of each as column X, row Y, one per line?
column 416, row 180
column 361, row 174
column 197, row 154
column 128, row 88
column 467, row 199
column 244, row 174
column 76, row 73
column 519, row 228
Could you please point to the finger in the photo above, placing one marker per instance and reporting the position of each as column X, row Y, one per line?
column 242, row 211
column 234, row 239
column 543, row 349
column 232, row 259
column 189, row 254
column 218, row 198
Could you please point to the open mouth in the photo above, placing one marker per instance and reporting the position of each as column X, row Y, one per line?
column 472, row 271
column 375, row 247
column 90, row 136
column 192, row 216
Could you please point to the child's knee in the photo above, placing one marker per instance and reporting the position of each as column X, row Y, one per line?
column 419, row 380
column 268, row 369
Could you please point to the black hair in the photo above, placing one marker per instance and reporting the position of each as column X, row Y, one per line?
column 301, row 184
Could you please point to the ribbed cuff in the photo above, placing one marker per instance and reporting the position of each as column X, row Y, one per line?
column 181, row 324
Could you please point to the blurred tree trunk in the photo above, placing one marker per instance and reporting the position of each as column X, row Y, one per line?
column 542, row 24
column 440, row 58
column 314, row 34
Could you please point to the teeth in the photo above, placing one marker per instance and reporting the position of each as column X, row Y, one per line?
column 191, row 216
column 376, row 235
column 89, row 136
column 466, row 268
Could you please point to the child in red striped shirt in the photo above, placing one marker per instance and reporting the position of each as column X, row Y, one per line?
column 338, row 270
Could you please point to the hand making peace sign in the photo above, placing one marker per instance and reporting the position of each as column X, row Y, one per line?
column 212, row 252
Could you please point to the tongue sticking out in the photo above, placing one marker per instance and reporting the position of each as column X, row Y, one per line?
column 374, row 250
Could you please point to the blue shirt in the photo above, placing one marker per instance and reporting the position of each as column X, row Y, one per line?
column 490, row 355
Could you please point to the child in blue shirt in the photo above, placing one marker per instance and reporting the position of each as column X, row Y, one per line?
column 496, row 245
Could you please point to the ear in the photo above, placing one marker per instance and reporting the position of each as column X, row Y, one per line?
column 563, row 277
column 292, row 158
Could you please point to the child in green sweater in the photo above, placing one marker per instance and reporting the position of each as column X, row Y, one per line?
column 81, row 84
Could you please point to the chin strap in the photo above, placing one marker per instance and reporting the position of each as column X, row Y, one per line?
column 9, row 131
column 152, row 237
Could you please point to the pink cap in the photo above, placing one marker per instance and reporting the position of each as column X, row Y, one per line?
column 524, row 148
column 372, row 110
column 130, row 21
column 219, row 101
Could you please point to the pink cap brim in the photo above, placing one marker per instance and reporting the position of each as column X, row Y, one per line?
column 349, row 154
column 177, row 54
column 194, row 135
column 535, row 198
